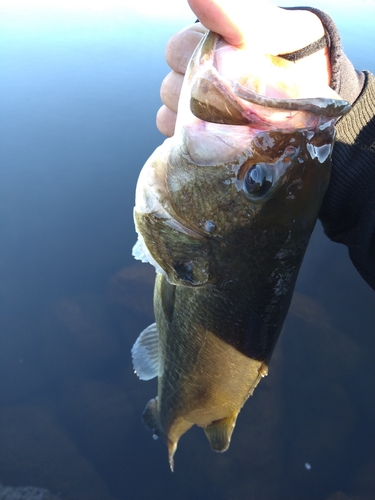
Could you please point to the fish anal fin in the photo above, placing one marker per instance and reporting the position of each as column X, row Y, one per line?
column 220, row 432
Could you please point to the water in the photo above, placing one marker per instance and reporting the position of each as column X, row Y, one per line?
column 79, row 93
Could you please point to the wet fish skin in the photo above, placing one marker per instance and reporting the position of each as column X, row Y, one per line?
column 228, row 250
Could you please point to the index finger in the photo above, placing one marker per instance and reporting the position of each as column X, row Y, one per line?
column 259, row 25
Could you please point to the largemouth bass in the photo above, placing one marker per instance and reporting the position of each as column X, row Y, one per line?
column 224, row 211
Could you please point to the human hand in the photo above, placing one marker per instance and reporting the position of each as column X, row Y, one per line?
column 263, row 28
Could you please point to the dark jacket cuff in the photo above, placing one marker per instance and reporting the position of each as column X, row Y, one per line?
column 348, row 210
column 345, row 80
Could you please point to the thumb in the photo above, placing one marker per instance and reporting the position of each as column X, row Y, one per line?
column 259, row 25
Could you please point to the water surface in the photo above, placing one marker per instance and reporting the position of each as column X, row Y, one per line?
column 79, row 95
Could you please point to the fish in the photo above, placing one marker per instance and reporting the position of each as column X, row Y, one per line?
column 224, row 211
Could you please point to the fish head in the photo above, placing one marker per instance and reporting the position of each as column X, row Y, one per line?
column 239, row 164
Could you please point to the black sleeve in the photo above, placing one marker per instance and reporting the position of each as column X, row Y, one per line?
column 348, row 210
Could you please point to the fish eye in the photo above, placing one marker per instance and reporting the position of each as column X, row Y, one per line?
column 258, row 179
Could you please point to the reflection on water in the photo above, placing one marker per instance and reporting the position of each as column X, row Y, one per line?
column 77, row 124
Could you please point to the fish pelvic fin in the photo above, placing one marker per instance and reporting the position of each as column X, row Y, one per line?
column 219, row 432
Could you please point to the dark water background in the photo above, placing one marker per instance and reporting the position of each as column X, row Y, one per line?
column 78, row 97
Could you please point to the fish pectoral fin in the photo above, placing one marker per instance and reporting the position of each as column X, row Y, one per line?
column 220, row 432
column 145, row 353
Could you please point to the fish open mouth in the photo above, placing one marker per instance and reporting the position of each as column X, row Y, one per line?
column 221, row 94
